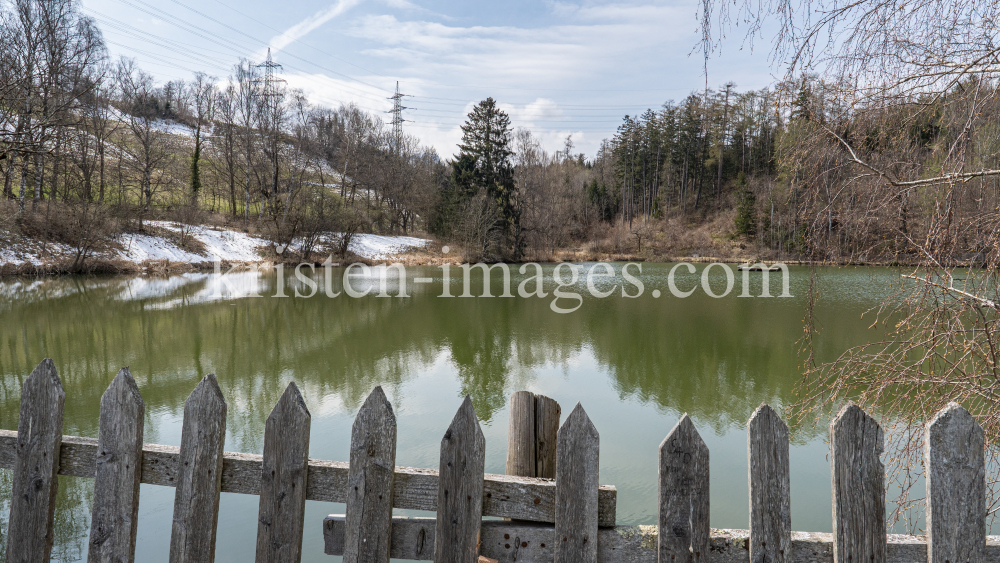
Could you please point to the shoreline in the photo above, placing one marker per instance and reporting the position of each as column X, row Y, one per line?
column 166, row 267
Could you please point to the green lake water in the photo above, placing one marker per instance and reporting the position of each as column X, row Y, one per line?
column 636, row 365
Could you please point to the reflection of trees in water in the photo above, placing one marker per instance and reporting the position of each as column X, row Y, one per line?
column 716, row 359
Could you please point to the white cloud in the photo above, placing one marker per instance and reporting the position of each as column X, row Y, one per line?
column 600, row 38
column 304, row 27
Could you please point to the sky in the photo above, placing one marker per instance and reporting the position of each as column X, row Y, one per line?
column 557, row 68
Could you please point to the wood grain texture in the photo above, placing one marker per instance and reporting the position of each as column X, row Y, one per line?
column 281, row 515
column 198, row 475
column 547, row 413
column 370, row 481
column 770, row 491
column 683, row 496
column 577, row 471
column 36, row 464
column 955, row 465
column 521, row 435
column 115, row 515
column 460, row 488
column 858, row 487
column 523, row 498
column 522, row 542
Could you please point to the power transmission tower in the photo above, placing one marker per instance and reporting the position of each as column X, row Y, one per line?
column 397, row 119
column 271, row 97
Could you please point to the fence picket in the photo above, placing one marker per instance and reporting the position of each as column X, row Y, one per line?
column 858, row 488
column 770, row 500
column 115, row 516
column 683, row 490
column 547, row 413
column 521, row 435
column 954, row 450
column 460, row 489
column 370, row 481
column 199, row 475
column 33, row 493
column 281, row 515
column 577, row 465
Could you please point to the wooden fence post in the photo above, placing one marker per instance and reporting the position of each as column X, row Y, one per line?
column 954, row 450
column 770, row 500
column 521, row 435
column 36, row 463
column 460, row 489
column 547, row 413
column 367, row 534
column 531, row 436
column 684, row 501
column 199, row 475
column 115, row 516
column 281, row 515
column 577, row 467
column 858, row 488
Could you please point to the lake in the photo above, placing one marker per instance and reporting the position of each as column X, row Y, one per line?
column 635, row 364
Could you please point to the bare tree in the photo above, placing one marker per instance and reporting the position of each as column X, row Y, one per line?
column 141, row 115
column 202, row 93
column 903, row 135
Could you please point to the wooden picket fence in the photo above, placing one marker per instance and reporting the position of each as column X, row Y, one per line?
column 568, row 519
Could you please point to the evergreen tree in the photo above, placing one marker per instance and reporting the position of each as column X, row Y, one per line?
column 486, row 144
column 195, row 172
column 746, row 214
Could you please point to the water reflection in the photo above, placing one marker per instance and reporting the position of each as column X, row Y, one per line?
column 635, row 363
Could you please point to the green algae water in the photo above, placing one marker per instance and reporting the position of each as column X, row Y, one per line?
column 636, row 365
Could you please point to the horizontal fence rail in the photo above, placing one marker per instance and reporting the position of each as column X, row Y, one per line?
column 568, row 519
column 505, row 496
column 528, row 542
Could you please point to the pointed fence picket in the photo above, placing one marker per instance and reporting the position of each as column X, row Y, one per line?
column 115, row 516
column 577, row 465
column 369, row 484
column 460, row 488
column 283, row 474
column 567, row 519
column 199, row 475
column 769, row 480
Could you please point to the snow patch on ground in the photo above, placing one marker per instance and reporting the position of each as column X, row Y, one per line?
column 229, row 246
column 379, row 247
column 174, row 128
column 221, row 244
column 32, row 254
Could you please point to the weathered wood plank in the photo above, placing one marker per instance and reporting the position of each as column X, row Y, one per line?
column 521, row 435
column 370, row 482
column 770, row 496
column 954, row 451
column 506, row 496
column 460, row 489
column 683, row 496
column 547, row 412
column 36, row 463
column 577, row 469
column 858, row 487
column 622, row 544
column 115, row 515
column 281, row 515
column 199, row 475
column 410, row 538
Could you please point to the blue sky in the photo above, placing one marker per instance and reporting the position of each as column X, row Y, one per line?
column 558, row 68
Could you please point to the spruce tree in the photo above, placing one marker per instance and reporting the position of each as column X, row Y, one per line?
column 486, row 143
column 746, row 214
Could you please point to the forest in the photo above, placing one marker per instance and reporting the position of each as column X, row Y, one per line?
column 92, row 147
